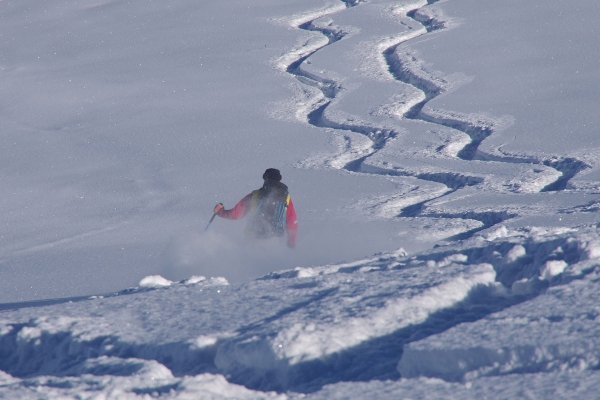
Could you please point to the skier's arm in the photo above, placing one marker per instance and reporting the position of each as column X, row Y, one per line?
column 239, row 211
column 291, row 224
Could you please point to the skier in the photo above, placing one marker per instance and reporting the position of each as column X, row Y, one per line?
column 271, row 208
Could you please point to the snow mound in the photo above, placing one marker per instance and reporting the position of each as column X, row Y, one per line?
column 153, row 281
column 156, row 281
column 302, row 342
column 555, row 331
column 194, row 279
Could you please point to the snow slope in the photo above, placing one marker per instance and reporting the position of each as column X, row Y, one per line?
column 479, row 312
column 454, row 140
column 128, row 122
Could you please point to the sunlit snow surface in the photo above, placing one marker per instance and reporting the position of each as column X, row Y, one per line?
column 398, row 125
column 481, row 317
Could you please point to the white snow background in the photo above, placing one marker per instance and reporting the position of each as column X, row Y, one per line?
column 443, row 158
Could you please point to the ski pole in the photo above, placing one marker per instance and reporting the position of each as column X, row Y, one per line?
column 211, row 220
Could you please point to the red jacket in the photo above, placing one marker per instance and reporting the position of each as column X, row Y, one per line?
column 247, row 204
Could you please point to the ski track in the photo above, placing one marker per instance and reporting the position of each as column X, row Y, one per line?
column 477, row 130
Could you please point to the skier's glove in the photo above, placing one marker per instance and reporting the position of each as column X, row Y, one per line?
column 218, row 208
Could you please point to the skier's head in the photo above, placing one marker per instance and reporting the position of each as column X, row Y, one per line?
column 272, row 174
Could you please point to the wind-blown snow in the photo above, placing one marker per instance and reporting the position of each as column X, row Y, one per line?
column 442, row 157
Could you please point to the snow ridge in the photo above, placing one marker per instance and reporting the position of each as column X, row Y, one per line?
column 373, row 319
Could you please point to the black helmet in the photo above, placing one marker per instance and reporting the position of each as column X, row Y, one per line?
column 272, row 174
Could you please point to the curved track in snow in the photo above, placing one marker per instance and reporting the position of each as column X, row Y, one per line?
column 477, row 128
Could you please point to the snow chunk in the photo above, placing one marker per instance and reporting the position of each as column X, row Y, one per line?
column 307, row 272
column 154, row 370
column 6, row 379
column 203, row 341
column 592, row 251
column 515, row 253
column 219, row 281
column 5, row 329
column 28, row 334
column 105, row 365
column 155, row 281
column 552, row 269
column 194, row 279
column 526, row 286
column 500, row 232
column 399, row 253
column 448, row 260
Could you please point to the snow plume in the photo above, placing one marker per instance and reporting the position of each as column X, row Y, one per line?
column 224, row 250
column 214, row 254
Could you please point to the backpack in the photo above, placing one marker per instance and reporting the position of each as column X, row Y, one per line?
column 270, row 204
